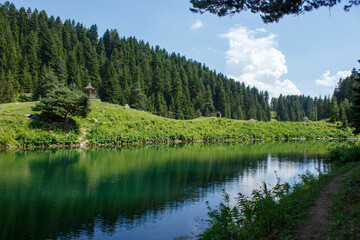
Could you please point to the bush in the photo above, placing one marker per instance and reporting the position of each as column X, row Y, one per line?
column 64, row 102
column 343, row 155
column 253, row 218
column 268, row 214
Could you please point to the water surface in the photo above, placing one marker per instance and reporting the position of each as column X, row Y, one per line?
column 147, row 192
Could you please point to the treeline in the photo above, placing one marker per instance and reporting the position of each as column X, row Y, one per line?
column 347, row 96
column 339, row 107
column 296, row 107
column 124, row 70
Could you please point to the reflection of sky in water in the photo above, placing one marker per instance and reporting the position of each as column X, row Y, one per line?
column 137, row 193
column 185, row 218
column 269, row 171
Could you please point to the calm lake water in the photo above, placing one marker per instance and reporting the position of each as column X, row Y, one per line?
column 148, row 192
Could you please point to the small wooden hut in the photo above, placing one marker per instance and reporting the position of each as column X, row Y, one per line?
column 90, row 91
column 217, row 114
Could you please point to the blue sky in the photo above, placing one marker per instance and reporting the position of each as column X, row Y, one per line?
column 304, row 54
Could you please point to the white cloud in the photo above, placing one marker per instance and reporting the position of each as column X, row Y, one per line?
column 253, row 58
column 331, row 81
column 197, row 25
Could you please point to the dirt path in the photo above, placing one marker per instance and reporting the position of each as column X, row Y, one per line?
column 83, row 140
column 317, row 224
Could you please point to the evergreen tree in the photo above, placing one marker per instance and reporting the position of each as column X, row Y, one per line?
column 220, row 98
column 6, row 92
column 209, row 105
column 110, row 90
column 25, row 77
column 334, row 110
column 125, row 82
column 48, row 48
column 269, row 11
column 31, row 49
column 177, row 99
column 64, row 102
column 343, row 117
column 282, row 112
column 60, row 70
column 92, row 64
column 124, row 70
column 93, row 34
column 73, row 70
column 347, row 108
column 356, row 106
column 138, row 98
column 47, row 84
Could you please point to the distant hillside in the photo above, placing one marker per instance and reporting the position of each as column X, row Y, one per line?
column 124, row 70
column 338, row 107
column 114, row 124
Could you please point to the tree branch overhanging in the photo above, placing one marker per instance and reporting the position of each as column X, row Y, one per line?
column 269, row 10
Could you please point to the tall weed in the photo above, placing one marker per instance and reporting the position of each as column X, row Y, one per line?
column 263, row 215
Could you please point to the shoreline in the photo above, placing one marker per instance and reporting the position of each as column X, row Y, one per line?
column 86, row 146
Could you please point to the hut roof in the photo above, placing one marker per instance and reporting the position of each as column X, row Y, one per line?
column 89, row 86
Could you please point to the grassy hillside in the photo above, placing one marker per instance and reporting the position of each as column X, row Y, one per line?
column 114, row 124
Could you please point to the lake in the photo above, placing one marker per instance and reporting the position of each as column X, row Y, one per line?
column 144, row 192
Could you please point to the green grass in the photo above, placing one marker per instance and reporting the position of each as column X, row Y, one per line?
column 114, row 124
column 345, row 209
column 275, row 213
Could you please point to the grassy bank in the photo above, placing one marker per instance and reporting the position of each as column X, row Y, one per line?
column 345, row 209
column 113, row 124
column 278, row 213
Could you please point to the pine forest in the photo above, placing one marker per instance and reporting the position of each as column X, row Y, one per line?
column 130, row 71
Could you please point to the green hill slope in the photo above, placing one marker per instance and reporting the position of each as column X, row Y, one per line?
column 124, row 70
column 114, row 124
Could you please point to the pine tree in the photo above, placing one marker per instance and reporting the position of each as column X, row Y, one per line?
column 33, row 44
column 72, row 69
column 220, row 98
column 60, row 70
column 6, row 90
column 138, row 98
column 209, row 105
column 356, row 106
column 64, row 102
column 282, row 112
column 31, row 52
column 91, row 63
column 48, row 48
column 25, row 77
column 343, row 117
column 125, row 82
column 47, row 84
column 177, row 103
column 334, row 110
column 93, row 34
column 347, row 108
column 110, row 89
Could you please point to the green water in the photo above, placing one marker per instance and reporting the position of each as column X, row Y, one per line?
column 150, row 192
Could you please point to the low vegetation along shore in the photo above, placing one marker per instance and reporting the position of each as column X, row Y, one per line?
column 109, row 124
column 319, row 207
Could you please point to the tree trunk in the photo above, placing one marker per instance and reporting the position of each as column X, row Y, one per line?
column 66, row 119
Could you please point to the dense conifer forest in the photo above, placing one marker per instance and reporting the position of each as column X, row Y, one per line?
column 339, row 107
column 130, row 71
column 124, row 70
